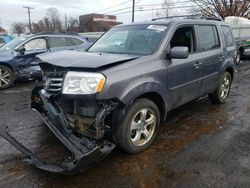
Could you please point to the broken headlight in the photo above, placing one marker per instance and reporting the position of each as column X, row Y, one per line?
column 80, row 83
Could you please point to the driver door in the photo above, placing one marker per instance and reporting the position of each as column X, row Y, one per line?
column 30, row 50
column 184, row 75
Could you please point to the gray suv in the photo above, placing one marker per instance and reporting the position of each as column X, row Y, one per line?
column 120, row 90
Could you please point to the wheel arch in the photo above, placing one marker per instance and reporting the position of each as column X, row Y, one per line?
column 7, row 65
column 231, row 71
column 158, row 100
column 228, row 66
column 241, row 49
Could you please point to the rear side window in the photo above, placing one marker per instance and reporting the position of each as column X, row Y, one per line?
column 74, row 42
column 56, row 42
column 208, row 36
column 228, row 36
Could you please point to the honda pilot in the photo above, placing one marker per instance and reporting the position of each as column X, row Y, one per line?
column 120, row 90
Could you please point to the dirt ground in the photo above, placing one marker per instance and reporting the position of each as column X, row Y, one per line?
column 200, row 145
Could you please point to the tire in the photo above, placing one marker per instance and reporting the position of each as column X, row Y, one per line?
column 221, row 93
column 6, row 77
column 138, row 128
column 238, row 57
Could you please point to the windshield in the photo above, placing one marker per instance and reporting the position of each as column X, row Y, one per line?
column 139, row 40
column 13, row 44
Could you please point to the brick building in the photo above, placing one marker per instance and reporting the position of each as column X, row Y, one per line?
column 97, row 22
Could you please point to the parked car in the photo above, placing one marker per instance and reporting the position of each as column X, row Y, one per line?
column 5, row 39
column 18, row 58
column 242, row 44
column 120, row 91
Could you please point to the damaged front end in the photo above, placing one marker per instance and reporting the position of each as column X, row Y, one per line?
column 80, row 123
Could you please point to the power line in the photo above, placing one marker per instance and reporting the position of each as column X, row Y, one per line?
column 133, row 11
column 28, row 8
column 103, row 10
column 146, row 5
column 150, row 9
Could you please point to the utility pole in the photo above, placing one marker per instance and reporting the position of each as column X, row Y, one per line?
column 66, row 22
column 28, row 8
column 133, row 12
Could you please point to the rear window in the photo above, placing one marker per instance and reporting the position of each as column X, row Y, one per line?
column 208, row 36
column 228, row 36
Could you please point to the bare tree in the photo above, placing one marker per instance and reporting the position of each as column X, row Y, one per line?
column 165, row 10
column 73, row 25
column 18, row 28
column 55, row 18
column 224, row 8
column 50, row 23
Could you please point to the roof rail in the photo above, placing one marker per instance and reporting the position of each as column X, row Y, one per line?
column 56, row 33
column 196, row 16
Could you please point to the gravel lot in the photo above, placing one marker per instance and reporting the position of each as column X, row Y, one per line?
column 200, row 145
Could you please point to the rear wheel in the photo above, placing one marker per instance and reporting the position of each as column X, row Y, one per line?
column 238, row 56
column 221, row 93
column 139, row 126
column 6, row 77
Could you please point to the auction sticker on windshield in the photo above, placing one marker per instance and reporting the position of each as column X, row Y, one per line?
column 157, row 27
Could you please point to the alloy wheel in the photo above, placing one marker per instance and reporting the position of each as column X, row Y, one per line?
column 5, row 77
column 225, row 87
column 142, row 127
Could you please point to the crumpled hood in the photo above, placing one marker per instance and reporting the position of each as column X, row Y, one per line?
column 77, row 59
column 6, row 55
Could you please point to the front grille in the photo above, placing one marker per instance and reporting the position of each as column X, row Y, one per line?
column 53, row 77
column 53, row 84
column 53, row 81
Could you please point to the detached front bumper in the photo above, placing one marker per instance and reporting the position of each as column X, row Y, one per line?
column 85, row 152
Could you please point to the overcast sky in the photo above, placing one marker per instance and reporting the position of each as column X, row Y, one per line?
column 12, row 10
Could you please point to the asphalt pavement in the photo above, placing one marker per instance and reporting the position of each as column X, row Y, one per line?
column 200, row 145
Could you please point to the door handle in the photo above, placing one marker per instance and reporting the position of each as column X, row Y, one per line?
column 197, row 64
column 221, row 57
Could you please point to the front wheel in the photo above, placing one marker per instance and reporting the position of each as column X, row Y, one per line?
column 6, row 77
column 138, row 128
column 221, row 93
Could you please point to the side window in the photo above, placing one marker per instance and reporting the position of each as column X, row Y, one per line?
column 209, row 38
column 36, row 44
column 228, row 36
column 184, row 36
column 56, row 42
column 74, row 42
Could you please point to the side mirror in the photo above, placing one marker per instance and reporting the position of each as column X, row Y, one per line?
column 179, row 52
column 21, row 50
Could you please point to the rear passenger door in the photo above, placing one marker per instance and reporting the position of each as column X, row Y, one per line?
column 211, row 54
column 229, row 41
column 184, row 75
